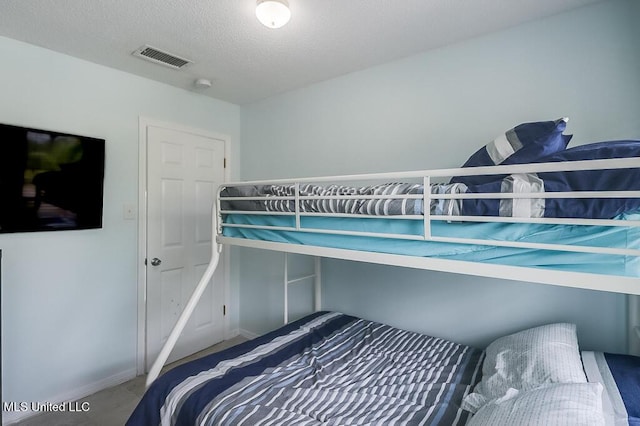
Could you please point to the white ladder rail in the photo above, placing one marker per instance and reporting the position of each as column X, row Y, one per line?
column 633, row 324
column 168, row 346
column 317, row 285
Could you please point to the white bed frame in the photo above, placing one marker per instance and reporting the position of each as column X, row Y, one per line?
column 618, row 284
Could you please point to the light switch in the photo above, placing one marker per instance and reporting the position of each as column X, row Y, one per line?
column 129, row 211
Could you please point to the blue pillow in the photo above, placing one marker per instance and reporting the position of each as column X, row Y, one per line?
column 523, row 144
column 584, row 180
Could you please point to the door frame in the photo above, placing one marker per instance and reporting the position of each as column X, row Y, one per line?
column 143, row 123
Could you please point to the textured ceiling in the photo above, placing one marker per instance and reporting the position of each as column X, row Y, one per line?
column 245, row 61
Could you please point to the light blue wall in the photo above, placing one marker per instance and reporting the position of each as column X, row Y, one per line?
column 431, row 111
column 69, row 299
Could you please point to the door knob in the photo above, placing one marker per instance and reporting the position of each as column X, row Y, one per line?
column 155, row 261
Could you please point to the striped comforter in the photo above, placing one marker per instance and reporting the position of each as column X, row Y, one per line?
column 329, row 369
column 385, row 206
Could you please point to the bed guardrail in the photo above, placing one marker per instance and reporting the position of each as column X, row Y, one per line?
column 586, row 280
column 427, row 197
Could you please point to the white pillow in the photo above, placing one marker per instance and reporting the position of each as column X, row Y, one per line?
column 550, row 405
column 526, row 360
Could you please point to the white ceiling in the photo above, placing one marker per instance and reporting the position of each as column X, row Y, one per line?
column 246, row 61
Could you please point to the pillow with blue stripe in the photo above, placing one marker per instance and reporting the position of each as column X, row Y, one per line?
column 523, row 144
column 555, row 181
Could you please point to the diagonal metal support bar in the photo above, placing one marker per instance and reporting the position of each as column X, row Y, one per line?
column 154, row 372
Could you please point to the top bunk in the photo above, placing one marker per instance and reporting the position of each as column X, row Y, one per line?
column 524, row 207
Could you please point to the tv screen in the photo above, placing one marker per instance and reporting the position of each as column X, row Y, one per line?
column 49, row 181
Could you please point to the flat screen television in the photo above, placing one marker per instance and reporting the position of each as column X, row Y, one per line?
column 49, row 181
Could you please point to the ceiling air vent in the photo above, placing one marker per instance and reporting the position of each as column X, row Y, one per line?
column 159, row 57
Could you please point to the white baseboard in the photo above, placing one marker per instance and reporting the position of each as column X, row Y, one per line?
column 11, row 417
column 248, row 334
column 230, row 334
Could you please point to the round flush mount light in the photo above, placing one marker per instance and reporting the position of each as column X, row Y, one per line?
column 273, row 13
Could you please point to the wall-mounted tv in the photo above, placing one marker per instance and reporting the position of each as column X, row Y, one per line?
column 49, row 181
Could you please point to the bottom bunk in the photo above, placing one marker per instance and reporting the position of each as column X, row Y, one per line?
column 331, row 368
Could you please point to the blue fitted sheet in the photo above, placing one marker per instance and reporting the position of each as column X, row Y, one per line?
column 601, row 236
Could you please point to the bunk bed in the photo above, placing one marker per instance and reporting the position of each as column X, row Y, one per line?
column 572, row 216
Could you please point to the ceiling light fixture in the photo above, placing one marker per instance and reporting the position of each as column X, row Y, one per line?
column 202, row 83
column 273, row 13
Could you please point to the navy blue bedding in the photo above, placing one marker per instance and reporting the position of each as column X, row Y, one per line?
column 330, row 368
column 327, row 368
column 626, row 372
column 590, row 180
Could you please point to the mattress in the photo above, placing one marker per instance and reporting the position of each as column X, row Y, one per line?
column 598, row 236
column 335, row 369
column 327, row 368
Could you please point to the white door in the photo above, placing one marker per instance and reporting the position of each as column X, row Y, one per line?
column 183, row 170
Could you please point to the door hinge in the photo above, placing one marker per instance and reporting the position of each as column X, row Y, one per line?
column 145, row 261
column 224, row 164
column 224, row 310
